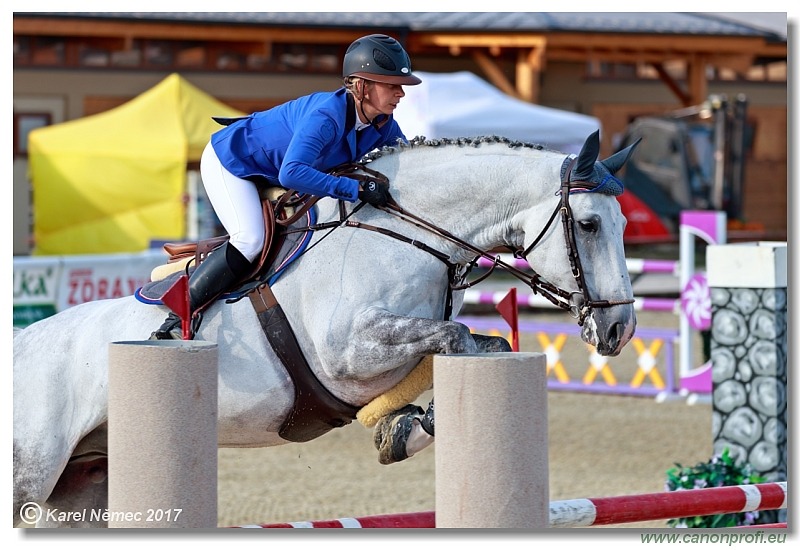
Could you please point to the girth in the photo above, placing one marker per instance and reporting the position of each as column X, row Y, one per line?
column 315, row 411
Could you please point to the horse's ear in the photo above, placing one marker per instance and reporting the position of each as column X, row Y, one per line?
column 618, row 159
column 584, row 167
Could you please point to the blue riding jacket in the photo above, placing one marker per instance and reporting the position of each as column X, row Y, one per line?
column 296, row 143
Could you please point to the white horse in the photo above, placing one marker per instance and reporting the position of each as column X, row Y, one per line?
column 365, row 307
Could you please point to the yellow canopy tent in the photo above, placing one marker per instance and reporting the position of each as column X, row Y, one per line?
column 114, row 181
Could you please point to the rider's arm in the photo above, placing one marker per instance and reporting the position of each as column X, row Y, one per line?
column 312, row 144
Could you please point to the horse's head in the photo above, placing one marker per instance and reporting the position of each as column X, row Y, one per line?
column 584, row 250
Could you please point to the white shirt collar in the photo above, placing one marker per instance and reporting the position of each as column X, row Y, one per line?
column 359, row 125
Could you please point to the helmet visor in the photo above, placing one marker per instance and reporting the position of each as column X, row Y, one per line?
column 404, row 80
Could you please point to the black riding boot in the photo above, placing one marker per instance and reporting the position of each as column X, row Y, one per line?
column 217, row 274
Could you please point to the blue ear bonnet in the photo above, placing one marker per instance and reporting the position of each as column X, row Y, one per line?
column 605, row 182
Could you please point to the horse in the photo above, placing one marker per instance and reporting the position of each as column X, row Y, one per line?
column 365, row 306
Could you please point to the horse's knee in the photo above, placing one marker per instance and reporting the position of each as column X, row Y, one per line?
column 458, row 339
column 491, row 344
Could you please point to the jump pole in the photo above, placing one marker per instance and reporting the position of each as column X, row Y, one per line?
column 162, row 437
column 491, row 441
column 588, row 512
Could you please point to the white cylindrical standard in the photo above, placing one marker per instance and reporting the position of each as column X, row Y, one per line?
column 162, row 434
column 491, row 441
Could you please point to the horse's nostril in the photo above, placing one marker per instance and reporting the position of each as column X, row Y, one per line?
column 616, row 338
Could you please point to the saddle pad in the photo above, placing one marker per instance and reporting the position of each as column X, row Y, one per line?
column 294, row 245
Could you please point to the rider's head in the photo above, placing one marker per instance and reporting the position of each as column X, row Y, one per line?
column 375, row 69
column 378, row 58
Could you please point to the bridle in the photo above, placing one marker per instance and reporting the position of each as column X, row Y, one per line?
column 579, row 304
column 580, row 308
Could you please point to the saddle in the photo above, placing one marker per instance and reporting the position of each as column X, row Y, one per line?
column 280, row 209
column 315, row 410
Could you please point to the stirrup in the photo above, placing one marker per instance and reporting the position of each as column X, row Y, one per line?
column 170, row 329
column 173, row 334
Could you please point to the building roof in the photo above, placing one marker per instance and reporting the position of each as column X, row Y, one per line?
column 701, row 24
column 528, row 40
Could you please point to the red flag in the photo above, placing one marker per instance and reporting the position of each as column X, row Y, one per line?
column 507, row 307
column 176, row 298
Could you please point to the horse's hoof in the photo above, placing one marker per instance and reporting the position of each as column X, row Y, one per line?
column 383, row 425
column 392, row 431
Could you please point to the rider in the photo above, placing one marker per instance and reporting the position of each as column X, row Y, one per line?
column 293, row 145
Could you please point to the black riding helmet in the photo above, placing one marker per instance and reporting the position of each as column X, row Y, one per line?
column 379, row 58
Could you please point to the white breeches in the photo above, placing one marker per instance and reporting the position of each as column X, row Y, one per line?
column 236, row 204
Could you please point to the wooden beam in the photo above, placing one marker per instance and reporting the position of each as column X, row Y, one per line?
column 578, row 55
column 493, row 72
column 772, row 50
column 739, row 63
column 179, row 31
column 479, row 40
column 696, row 77
column 663, row 42
column 536, row 58
column 667, row 79
column 529, row 65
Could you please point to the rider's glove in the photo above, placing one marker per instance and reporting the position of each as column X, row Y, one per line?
column 374, row 193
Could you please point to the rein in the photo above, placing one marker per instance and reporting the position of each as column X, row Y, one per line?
column 579, row 307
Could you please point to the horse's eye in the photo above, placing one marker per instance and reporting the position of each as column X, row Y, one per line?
column 591, row 225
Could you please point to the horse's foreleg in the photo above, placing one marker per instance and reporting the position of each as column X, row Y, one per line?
column 384, row 341
column 407, row 431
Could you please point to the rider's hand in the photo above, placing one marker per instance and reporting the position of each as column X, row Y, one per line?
column 374, row 193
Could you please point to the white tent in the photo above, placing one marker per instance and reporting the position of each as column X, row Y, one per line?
column 461, row 104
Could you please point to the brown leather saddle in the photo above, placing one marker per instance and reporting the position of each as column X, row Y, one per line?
column 280, row 209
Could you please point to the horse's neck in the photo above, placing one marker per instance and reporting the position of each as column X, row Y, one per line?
column 478, row 196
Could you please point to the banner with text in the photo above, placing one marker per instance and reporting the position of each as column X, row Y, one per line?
column 46, row 285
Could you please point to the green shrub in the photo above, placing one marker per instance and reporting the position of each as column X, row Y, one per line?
column 720, row 471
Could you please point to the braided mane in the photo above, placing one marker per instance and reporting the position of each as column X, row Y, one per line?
column 604, row 182
column 422, row 141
